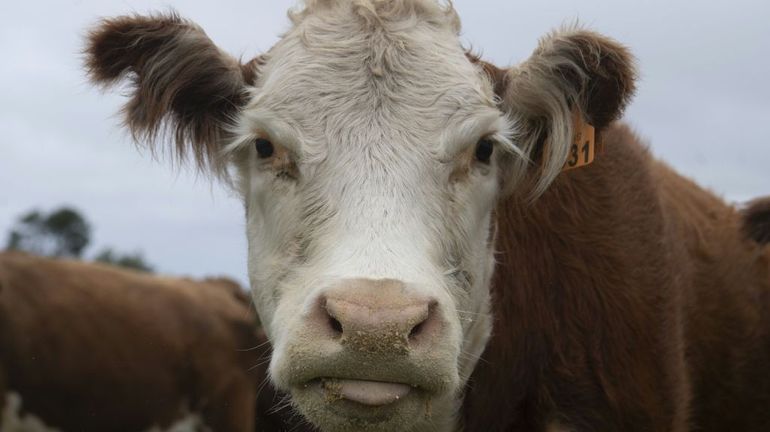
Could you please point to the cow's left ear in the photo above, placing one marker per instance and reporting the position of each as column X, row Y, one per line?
column 573, row 74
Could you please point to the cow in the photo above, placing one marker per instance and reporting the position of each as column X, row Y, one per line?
column 90, row 347
column 436, row 243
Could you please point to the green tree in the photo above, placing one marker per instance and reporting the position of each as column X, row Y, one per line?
column 64, row 233
column 133, row 261
column 61, row 233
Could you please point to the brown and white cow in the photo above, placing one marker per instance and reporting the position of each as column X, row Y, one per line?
column 89, row 347
column 419, row 258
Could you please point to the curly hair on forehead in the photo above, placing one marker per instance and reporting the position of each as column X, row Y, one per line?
column 380, row 11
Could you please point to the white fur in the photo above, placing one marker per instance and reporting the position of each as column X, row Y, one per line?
column 378, row 107
column 375, row 111
column 190, row 423
column 13, row 419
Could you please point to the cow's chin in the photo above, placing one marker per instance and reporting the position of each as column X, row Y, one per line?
column 353, row 391
column 342, row 405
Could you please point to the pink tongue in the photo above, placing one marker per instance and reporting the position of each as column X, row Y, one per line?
column 372, row 392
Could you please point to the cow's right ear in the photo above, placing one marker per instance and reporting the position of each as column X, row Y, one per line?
column 180, row 81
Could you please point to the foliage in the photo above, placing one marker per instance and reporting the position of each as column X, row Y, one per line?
column 61, row 233
column 133, row 261
column 64, row 233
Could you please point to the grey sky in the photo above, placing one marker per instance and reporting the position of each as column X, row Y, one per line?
column 703, row 103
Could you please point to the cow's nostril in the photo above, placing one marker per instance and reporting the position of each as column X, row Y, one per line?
column 423, row 325
column 416, row 330
column 335, row 325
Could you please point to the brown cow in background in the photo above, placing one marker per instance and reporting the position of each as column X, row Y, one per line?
column 89, row 347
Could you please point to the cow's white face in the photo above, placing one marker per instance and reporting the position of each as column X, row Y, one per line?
column 365, row 156
column 370, row 153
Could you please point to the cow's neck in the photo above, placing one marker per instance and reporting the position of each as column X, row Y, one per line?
column 558, row 258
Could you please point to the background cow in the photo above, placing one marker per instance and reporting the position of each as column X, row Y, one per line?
column 89, row 347
column 407, row 215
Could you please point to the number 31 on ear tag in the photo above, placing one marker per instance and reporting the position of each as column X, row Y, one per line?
column 583, row 148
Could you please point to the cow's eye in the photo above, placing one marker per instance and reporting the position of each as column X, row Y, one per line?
column 264, row 148
column 484, row 149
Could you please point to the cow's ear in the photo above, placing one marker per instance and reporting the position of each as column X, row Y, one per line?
column 180, row 82
column 573, row 74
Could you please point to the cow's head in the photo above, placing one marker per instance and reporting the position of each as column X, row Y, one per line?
column 370, row 150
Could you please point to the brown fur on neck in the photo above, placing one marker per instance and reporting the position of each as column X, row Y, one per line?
column 601, row 286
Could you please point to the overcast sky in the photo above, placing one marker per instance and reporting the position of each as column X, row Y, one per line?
column 703, row 103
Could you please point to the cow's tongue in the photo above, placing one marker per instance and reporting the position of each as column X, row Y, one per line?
column 368, row 392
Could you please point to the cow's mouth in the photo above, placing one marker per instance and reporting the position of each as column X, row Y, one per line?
column 342, row 404
column 368, row 393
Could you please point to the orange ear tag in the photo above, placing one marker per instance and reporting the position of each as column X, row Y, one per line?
column 583, row 148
